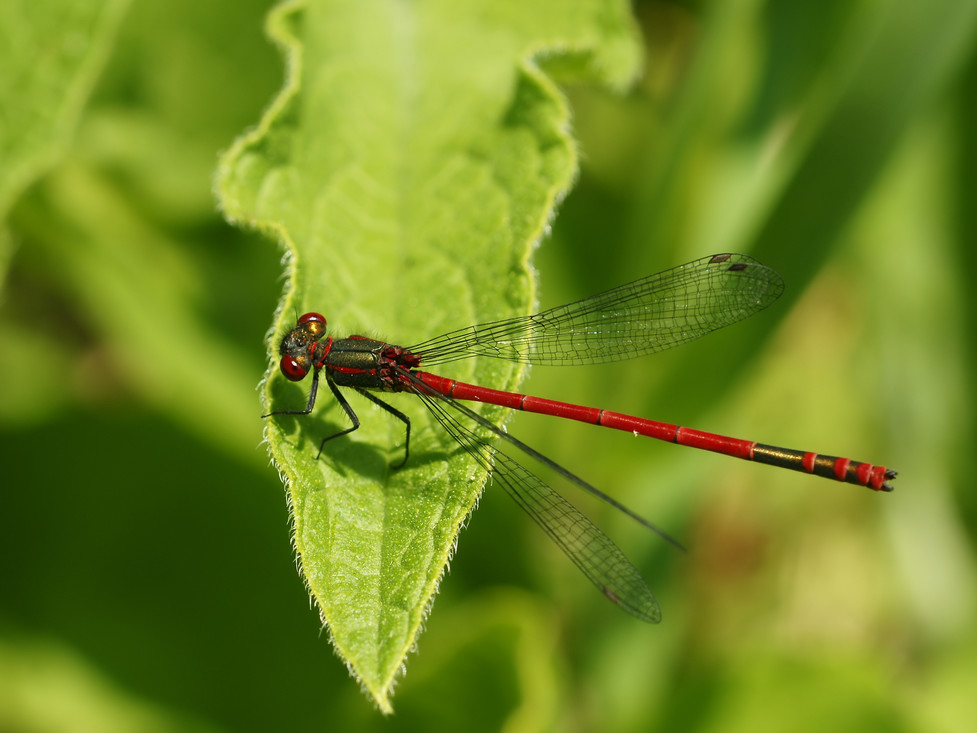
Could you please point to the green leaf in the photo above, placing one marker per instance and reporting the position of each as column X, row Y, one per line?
column 410, row 165
column 48, row 686
column 50, row 53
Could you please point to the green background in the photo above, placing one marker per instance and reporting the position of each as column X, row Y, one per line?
column 147, row 576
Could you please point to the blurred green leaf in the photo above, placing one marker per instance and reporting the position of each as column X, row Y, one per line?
column 504, row 640
column 411, row 163
column 49, row 688
column 140, row 285
column 125, row 230
column 51, row 53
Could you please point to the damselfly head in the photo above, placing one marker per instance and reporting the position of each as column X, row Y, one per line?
column 299, row 346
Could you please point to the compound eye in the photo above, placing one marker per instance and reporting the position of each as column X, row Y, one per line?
column 309, row 317
column 293, row 369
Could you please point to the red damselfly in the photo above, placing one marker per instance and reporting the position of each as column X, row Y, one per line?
column 643, row 317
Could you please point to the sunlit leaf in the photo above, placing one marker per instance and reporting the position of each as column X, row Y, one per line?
column 412, row 161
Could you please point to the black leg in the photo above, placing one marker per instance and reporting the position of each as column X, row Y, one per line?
column 393, row 411
column 347, row 408
column 308, row 407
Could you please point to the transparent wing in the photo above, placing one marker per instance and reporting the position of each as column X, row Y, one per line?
column 649, row 315
column 581, row 540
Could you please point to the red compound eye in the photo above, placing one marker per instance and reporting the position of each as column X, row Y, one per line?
column 317, row 317
column 293, row 369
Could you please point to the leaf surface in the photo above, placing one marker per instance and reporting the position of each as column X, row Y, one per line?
column 412, row 161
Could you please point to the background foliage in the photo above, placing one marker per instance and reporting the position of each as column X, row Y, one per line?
column 148, row 580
